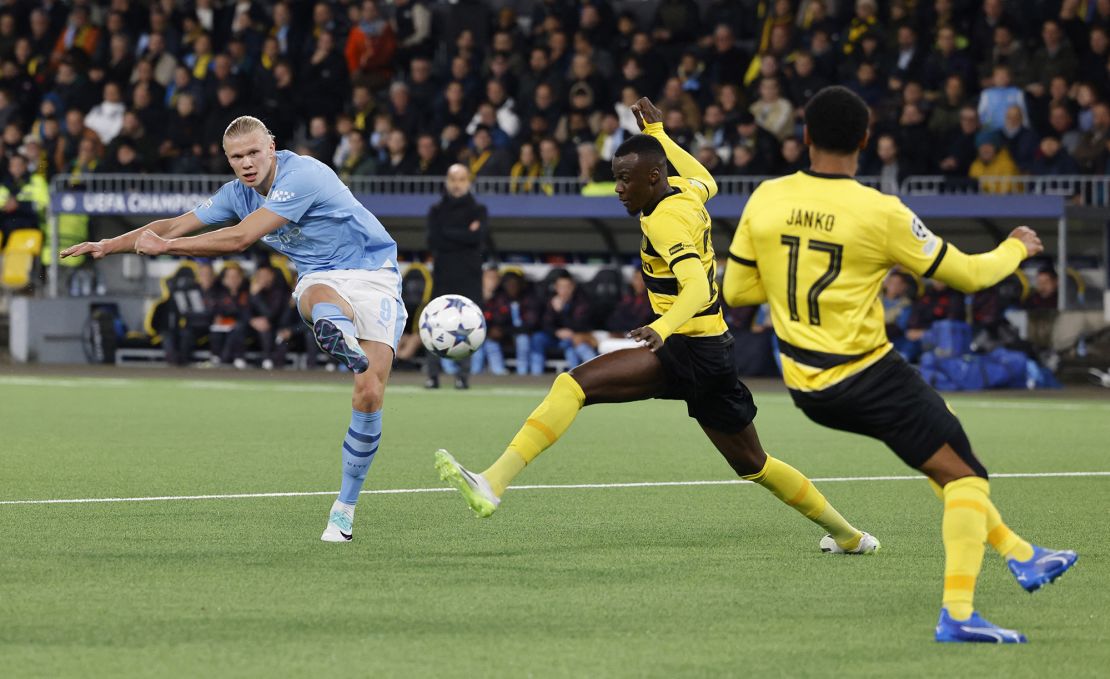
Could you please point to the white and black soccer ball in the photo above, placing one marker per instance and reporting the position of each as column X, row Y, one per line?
column 452, row 327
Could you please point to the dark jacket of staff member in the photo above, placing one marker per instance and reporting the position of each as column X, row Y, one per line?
column 456, row 233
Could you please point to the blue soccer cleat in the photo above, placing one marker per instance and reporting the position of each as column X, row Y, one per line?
column 342, row 347
column 1042, row 568
column 975, row 630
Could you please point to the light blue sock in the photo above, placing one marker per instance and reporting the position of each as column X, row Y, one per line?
column 335, row 315
column 359, row 447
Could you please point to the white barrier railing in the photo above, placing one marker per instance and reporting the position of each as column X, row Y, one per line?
column 403, row 185
column 1091, row 190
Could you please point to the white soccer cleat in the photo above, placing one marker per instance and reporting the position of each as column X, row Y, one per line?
column 474, row 487
column 1100, row 377
column 868, row 544
column 341, row 522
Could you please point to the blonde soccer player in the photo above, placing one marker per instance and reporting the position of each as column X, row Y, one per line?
column 349, row 288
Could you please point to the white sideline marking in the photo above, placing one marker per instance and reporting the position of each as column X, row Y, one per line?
column 221, row 385
column 566, row 486
column 960, row 400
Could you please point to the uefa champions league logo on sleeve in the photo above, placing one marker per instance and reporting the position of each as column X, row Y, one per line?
column 280, row 196
column 923, row 234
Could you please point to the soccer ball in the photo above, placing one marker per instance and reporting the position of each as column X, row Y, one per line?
column 452, row 327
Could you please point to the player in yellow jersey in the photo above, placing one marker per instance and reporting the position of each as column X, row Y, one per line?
column 817, row 245
column 686, row 353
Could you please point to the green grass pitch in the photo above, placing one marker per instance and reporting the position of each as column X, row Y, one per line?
column 658, row 581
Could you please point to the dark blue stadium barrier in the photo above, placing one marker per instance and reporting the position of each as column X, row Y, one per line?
column 558, row 207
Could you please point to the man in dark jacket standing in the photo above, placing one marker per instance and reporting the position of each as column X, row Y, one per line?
column 456, row 232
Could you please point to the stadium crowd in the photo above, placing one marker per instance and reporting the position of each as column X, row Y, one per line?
column 538, row 90
column 561, row 320
column 962, row 88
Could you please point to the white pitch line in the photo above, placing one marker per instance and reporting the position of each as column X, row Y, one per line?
column 565, row 486
column 263, row 386
column 960, row 400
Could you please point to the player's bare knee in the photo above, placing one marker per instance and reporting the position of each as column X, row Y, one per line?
column 946, row 466
column 308, row 299
column 587, row 388
column 582, row 380
column 755, row 459
column 746, row 461
column 312, row 294
column 317, row 294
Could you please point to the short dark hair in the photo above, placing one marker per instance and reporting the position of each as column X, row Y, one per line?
column 645, row 146
column 837, row 119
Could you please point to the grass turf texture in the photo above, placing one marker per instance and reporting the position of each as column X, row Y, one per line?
column 673, row 581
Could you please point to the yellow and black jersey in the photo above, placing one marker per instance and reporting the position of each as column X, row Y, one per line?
column 679, row 228
column 820, row 246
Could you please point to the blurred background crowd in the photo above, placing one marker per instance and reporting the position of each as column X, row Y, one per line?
column 559, row 320
column 542, row 88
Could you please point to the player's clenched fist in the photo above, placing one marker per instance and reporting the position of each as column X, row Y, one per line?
column 150, row 243
column 646, row 112
column 1029, row 239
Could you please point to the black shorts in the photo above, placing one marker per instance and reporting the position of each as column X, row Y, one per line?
column 702, row 372
column 890, row 402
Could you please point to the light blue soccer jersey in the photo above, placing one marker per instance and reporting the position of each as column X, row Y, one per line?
column 327, row 229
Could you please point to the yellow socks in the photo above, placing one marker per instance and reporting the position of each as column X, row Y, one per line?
column 1005, row 541
column 964, row 529
column 501, row 473
column 793, row 488
column 544, row 426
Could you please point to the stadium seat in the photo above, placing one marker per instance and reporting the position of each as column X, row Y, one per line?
column 158, row 313
column 24, row 240
column 1075, row 288
column 416, row 290
column 281, row 263
column 20, row 253
column 605, row 290
column 1014, row 289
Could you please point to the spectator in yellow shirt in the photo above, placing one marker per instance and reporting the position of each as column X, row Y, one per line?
column 991, row 162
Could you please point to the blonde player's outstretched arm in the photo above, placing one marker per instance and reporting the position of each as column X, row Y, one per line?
column 223, row 241
column 172, row 227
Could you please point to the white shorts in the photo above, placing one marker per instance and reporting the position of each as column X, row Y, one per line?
column 375, row 296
